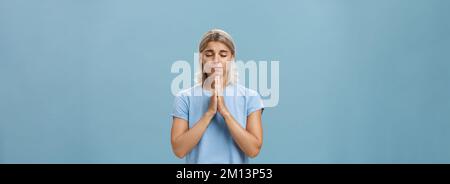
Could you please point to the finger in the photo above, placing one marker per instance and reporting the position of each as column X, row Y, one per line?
column 214, row 94
column 216, row 85
column 219, row 85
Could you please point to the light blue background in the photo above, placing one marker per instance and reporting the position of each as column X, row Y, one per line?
column 360, row 81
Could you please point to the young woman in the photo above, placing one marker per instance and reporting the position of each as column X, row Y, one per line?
column 218, row 120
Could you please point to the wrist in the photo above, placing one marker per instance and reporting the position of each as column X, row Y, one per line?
column 209, row 114
column 226, row 115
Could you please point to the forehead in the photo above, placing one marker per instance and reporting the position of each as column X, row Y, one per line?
column 216, row 46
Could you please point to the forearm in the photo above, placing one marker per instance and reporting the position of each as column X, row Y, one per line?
column 248, row 142
column 185, row 142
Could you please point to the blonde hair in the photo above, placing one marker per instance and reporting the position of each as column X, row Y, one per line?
column 225, row 38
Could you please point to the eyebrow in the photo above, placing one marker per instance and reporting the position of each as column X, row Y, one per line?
column 210, row 50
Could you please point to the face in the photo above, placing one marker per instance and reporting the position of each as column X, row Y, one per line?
column 215, row 58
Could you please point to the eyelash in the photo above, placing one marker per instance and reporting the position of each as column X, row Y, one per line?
column 209, row 55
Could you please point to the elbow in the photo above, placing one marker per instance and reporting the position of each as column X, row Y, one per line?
column 255, row 152
column 179, row 153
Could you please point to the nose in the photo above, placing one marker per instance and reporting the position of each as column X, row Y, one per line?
column 216, row 59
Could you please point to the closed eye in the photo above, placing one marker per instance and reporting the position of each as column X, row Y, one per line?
column 208, row 54
column 223, row 53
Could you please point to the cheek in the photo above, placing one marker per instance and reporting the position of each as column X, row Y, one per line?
column 205, row 62
column 207, row 66
column 225, row 60
column 228, row 58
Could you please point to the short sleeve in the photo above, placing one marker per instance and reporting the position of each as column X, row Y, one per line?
column 181, row 107
column 254, row 102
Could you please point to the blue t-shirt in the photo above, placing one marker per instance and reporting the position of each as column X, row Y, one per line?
column 216, row 144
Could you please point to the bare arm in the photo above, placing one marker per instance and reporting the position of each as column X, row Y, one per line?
column 249, row 139
column 184, row 139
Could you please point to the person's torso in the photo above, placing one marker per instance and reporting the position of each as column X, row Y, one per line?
column 217, row 144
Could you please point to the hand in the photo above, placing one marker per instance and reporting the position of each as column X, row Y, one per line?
column 221, row 107
column 212, row 109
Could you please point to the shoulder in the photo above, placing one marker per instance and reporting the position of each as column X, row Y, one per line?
column 189, row 91
column 247, row 92
column 252, row 98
